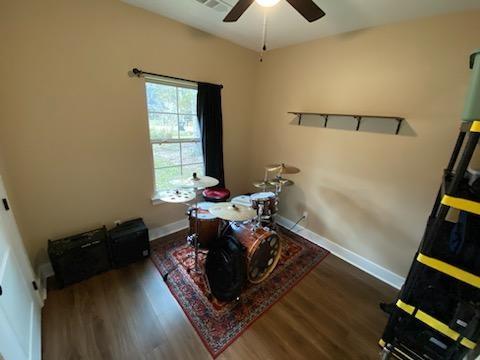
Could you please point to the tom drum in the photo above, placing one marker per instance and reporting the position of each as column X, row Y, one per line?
column 207, row 224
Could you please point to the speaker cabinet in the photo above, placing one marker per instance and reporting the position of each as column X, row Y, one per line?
column 79, row 257
column 128, row 242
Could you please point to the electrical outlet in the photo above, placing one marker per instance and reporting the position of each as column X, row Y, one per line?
column 117, row 222
column 305, row 215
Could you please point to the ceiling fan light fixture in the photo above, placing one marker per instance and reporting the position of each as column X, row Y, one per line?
column 267, row 3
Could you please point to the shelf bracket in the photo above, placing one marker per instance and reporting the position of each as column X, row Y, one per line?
column 299, row 119
column 359, row 121
column 326, row 121
column 399, row 124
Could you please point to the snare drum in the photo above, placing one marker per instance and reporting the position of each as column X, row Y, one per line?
column 242, row 200
column 207, row 224
column 263, row 250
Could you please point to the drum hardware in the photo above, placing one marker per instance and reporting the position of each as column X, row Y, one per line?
column 261, row 184
column 182, row 195
column 176, row 196
column 242, row 200
column 232, row 212
column 195, row 182
column 280, row 181
column 208, row 224
column 263, row 247
column 282, row 169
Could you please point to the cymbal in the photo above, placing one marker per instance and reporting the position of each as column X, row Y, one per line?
column 289, row 169
column 281, row 181
column 273, row 167
column 260, row 184
column 232, row 212
column 176, row 196
column 284, row 169
column 198, row 182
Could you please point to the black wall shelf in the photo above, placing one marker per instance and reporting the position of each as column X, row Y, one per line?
column 356, row 117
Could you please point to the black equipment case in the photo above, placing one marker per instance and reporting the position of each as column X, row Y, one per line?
column 226, row 268
column 79, row 257
column 129, row 242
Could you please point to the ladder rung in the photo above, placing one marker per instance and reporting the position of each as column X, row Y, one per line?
column 450, row 270
column 475, row 126
column 461, row 204
column 435, row 324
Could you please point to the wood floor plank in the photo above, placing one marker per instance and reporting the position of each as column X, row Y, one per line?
column 129, row 313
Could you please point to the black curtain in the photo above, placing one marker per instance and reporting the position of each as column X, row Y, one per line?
column 209, row 112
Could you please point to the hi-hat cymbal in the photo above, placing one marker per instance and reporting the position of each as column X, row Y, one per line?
column 232, row 212
column 281, row 181
column 198, row 182
column 282, row 168
column 289, row 169
column 176, row 196
column 261, row 184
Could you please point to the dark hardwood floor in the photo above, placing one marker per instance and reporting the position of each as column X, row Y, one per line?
column 129, row 313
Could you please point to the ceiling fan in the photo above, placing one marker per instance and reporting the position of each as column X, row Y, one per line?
column 307, row 8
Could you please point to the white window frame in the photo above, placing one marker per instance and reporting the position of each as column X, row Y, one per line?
column 177, row 84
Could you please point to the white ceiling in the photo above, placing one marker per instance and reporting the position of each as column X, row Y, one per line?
column 287, row 27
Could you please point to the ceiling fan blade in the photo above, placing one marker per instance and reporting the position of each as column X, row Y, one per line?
column 308, row 9
column 240, row 7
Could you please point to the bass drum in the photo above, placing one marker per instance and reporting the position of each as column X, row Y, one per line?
column 263, row 250
column 225, row 268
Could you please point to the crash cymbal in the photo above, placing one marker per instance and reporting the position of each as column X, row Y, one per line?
column 198, row 182
column 273, row 167
column 232, row 212
column 281, row 181
column 282, row 168
column 176, row 196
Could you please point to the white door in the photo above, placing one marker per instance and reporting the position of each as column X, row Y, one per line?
column 20, row 305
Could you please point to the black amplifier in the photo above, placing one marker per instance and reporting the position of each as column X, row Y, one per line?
column 79, row 257
column 129, row 242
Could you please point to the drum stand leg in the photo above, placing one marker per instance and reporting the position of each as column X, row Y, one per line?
column 208, row 288
column 196, row 244
column 165, row 276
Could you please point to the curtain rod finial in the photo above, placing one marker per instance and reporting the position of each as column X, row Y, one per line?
column 135, row 72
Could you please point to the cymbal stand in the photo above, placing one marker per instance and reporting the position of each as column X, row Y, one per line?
column 193, row 239
column 265, row 179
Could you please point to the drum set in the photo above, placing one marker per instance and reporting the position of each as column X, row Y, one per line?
column 247, row 219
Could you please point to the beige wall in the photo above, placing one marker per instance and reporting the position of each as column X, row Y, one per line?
column 368, row 192
column 74, row 137
column 73, row 125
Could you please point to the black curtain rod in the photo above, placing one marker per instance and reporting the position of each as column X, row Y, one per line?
column 138, row 73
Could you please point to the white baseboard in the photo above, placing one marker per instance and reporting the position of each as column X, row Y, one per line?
column 45, row 270
column 168, row 229
column 349, row 256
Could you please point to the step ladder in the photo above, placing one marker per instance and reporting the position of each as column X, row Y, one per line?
column 416, row 328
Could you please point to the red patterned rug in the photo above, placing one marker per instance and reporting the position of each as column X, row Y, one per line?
column 219, row 323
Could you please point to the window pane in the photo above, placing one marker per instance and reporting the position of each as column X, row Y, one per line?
column 190, row 169
column 187, row 101
column 192, row 153
column 188, row 125
column 163, row 126
column 161, row 98
column 166, row 155
column 165, row 175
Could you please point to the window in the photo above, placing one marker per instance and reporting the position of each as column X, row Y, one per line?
column 174, row 131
